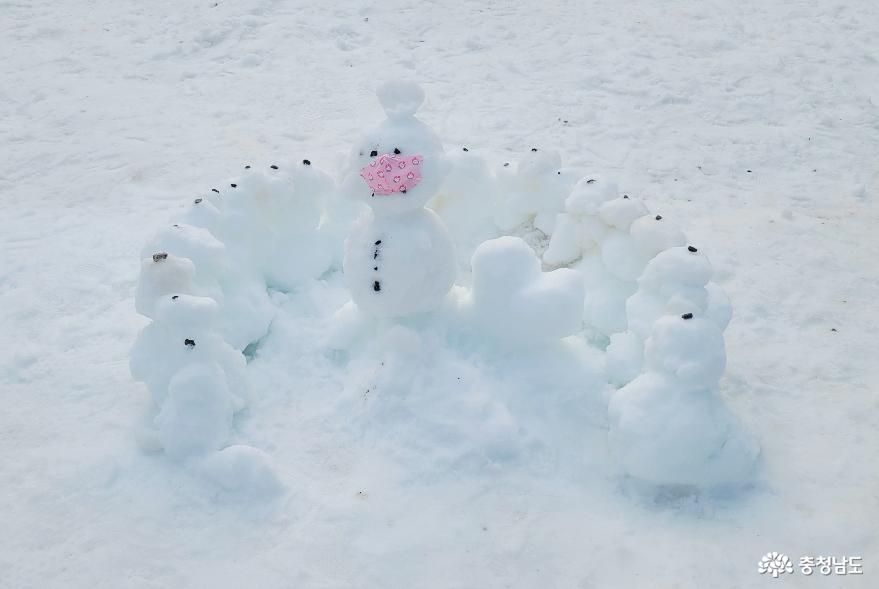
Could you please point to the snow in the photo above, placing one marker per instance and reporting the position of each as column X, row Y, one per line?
column 750, row 125
column 513, row 300
column 244, row 472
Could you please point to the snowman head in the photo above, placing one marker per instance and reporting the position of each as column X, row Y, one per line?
column 398, row 166
column 675, row 269
column 688, row 347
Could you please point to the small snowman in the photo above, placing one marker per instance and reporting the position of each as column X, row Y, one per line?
column 670, row 425
column 675, row 280
column 399, row 258
column 196, row 380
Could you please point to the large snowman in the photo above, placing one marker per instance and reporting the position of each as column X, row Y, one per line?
column 399, row 259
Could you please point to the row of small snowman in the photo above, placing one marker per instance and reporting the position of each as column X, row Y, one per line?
column 634, row 264
column 196, row 380
column 640, row 284
column 668, row 424
column 205, row 284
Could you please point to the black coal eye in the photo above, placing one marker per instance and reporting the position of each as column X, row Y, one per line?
column 692, row 249
column 396, row 151
column 465, row 149
column 274, row 167
column 533, row 149
column 306, row 162
column 373, row 153
column 687, row 316
column 659, row 217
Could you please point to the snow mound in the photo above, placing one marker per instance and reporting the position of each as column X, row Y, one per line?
column 487, row 328
column 517, row 302
column 243, row 471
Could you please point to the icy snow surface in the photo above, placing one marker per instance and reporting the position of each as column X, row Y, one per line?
column 751, row 126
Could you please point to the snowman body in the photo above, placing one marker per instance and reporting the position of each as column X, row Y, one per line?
column 399, row 264
column 399, row 257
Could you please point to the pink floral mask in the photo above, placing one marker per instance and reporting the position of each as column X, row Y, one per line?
column 390, row 173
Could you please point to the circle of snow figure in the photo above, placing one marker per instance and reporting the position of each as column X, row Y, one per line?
column 462, row 281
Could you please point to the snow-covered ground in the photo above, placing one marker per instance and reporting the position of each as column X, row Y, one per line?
column 755, row 125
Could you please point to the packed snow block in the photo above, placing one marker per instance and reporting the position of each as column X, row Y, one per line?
column 399, row 258
column 514, row 300
column 162, row 274
column 669, row 426
column 243, row 471
column 196, row 417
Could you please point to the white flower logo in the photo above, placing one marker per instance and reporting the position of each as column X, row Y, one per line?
column 775, row 564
